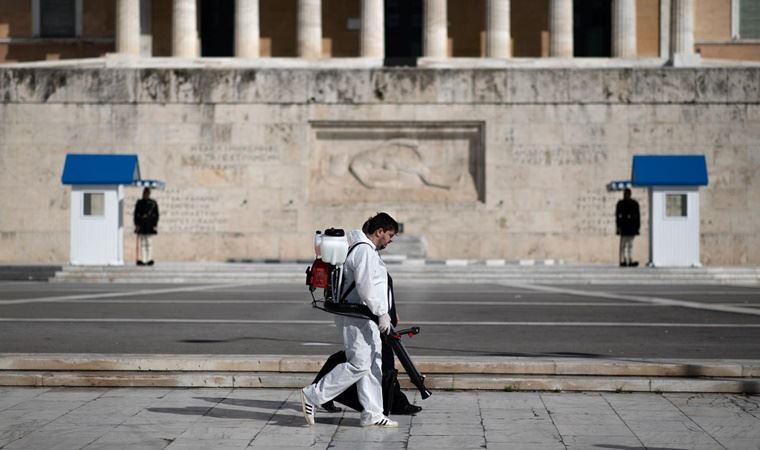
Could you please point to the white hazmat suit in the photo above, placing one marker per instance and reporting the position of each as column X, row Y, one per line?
column 361, row 337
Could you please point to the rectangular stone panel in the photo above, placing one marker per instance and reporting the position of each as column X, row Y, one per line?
column 411, row 162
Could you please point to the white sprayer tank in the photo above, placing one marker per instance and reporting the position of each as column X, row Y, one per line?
column 333, row 246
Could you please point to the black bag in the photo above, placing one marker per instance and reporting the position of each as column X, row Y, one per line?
column 392, row 395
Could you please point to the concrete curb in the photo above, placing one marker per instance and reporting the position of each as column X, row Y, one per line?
column 492, row 373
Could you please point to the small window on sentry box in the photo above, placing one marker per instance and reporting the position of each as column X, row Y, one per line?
column 94, row 204
column 675, row 205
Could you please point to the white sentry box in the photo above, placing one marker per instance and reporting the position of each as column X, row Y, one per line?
column 674, row 223
column 673, row 182
column 97, row 226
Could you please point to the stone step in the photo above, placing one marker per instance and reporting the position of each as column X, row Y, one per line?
column 293, row 380
column 503, row 365
column 432, row 272
column 482, row 373
column 224, row 278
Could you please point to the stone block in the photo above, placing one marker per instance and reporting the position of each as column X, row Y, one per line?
column 7, row 86
column 394, row 86
column 744, row 85
column 713, row 85
column 219, row 86
column 40, row 85
column 600, row 86
column 490, row 86
column 431, row 382
column 641, row 369
column 454, row 86
column 154, row 86
column 539, row 86
column 584, row 114
column 290, row 381
column 101, row 86
column 664, row 86
column 344, row 87
column 294, row 364
column 611, row 384
column 13, row 378
column 186, row 86
column 736, row 386
column 273, row 86
column 720, row 116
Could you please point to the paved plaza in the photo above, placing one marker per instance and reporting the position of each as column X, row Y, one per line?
column 220, row 419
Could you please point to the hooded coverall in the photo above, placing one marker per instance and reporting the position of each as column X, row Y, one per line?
column 361, row 337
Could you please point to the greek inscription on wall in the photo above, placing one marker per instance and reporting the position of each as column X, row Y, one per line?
column 595, row 213
column 191, row 211
column 560, row 156
column 230, row 157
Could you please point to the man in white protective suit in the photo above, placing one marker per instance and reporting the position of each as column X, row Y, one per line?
column 366, row 272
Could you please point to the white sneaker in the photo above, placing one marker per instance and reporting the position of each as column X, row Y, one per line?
column 307, row 408
column 382, row 423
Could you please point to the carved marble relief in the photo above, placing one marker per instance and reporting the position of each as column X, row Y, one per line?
column 417, row 162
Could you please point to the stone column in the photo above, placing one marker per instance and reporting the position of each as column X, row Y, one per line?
column 184, row 29
column 664, row 28
column 682, row 33
column 128, row 27
column 435, row 34
column 561, row 28
column 498, row 34
column 624, row 28
column 146, row 28
column 247, row 28
column 373, row 29
column 682, row 26
column 310, row 28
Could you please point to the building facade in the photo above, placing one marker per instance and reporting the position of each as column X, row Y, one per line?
column 499, row 144
column 399, row 30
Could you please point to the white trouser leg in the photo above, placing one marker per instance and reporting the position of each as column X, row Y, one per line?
column 145, row 247
column 626, row 248
column 621, row 249
column 361, row 340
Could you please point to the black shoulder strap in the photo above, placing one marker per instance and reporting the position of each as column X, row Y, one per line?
column 351, row 287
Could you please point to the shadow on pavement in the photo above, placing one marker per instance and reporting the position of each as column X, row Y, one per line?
column 626, row 447
column 252, row 403
column 271, row 416
column 284, row 420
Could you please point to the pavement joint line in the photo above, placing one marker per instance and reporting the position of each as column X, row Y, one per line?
column 63, row 298
column 642, row 299
column 426, row 323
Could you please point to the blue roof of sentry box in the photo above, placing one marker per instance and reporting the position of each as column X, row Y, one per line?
column 100, row 169
column 669, row 170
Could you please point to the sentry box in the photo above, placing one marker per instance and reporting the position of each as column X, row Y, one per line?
column 97, row 205
column 673, row 182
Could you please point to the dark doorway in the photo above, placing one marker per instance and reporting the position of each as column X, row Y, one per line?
column 403, row 32
column 592, row 28
column 217, row 23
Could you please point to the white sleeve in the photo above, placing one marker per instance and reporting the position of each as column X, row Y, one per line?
column 371, row 280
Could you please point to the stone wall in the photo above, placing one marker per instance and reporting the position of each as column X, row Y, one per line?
column 480, row 163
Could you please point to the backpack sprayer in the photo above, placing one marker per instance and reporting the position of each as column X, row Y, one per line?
column 326, row 273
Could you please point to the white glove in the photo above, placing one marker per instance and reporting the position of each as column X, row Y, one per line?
column 384, row 323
